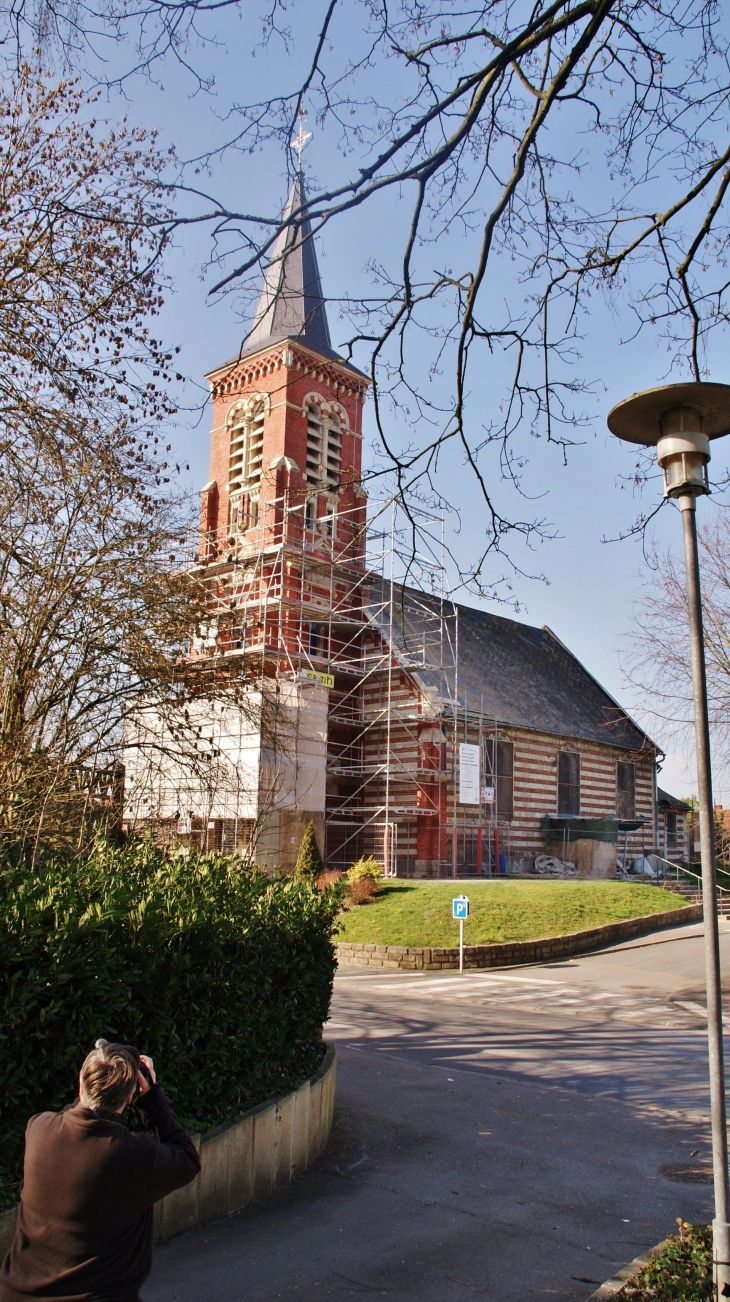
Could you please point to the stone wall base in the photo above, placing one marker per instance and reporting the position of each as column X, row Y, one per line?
column 409, row 958
column 426, row 867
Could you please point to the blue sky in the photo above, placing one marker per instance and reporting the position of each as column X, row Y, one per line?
column 591, row 587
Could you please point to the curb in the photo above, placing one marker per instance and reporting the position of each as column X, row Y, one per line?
column 614, row 1285
column 412, row 958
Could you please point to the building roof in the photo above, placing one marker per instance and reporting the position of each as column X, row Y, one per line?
column 291, row 304
column 671, row 802
column 517, row 674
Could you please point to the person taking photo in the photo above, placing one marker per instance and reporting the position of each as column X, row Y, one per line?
column 84, row 1229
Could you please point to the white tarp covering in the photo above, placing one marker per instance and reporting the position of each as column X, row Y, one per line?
column 210, row 761
column 203, row 764
column 294, row 773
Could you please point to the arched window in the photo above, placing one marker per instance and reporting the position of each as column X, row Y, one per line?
column 243, row 512
column 244, row 466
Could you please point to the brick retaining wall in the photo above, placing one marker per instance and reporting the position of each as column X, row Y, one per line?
column 413, row 958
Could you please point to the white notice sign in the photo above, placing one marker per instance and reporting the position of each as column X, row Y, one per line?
column 468, row 774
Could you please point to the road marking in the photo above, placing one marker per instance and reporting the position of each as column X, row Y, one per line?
column 697, row 1008
column 693, row 1007
column 543, row 994
column 455, row 981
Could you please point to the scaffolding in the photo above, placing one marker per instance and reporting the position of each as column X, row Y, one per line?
column 326, row 600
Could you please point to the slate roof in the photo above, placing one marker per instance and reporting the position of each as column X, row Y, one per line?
column 291, row 303
column 525, row 675
column 671, row 802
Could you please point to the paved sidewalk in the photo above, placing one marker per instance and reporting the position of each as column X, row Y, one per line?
column 489, row 1149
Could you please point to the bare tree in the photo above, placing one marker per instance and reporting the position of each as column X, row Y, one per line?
column 550, row 153
column 96, row 604
column 657, row 662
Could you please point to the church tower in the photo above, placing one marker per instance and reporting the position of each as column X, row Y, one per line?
column 286, row 443
column 283, row 531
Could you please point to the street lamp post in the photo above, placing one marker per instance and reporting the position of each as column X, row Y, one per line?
column 680, row 420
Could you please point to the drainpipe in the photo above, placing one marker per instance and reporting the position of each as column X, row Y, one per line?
column 655, row 802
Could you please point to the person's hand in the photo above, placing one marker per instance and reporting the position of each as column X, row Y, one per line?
column 142, row 1081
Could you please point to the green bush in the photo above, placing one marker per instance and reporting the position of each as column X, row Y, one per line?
column 366, row 868
column 310, row 864
column 364, row 880
column 222, row 975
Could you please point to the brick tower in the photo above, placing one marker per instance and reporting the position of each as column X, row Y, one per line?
column 287, row 420
column 283, row 528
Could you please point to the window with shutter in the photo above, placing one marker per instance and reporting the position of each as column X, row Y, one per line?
column 625, row 790
column 568, row 782
column 501, row 776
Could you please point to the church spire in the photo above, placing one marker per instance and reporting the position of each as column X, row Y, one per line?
column 291, row 304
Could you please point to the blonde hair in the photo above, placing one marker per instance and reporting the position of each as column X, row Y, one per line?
column 108, row 1075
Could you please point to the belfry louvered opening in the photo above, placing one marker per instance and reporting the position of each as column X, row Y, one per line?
column 247, row 450
column 324, row 447
column 334, row 451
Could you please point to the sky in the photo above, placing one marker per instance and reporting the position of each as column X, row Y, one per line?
column 589, row 589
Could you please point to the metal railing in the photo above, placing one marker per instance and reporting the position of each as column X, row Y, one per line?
column 678, row 873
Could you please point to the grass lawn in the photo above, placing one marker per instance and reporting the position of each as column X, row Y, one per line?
column 419, row 913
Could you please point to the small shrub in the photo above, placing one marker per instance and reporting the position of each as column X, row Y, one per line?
column 366, row 868
column 364, row 880
column 362, row 890
column 330, row 877
column 310, row 864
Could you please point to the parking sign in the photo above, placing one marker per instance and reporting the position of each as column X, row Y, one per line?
column 460, row 907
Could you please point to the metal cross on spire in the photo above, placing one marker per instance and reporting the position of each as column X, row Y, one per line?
column 302, row 138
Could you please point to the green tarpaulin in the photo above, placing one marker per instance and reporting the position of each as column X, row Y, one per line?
column 575, row 828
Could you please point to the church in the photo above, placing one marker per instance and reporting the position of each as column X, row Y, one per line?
column 443, row 739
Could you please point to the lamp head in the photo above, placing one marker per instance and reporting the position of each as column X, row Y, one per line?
column 679, row 420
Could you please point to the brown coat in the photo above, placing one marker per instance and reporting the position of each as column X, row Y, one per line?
column 84, row 1231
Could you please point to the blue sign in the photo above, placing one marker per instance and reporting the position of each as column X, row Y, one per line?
column 460, row 907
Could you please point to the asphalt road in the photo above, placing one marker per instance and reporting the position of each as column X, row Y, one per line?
column 509, row 1135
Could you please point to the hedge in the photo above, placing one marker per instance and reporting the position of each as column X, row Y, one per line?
column 222, row 975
